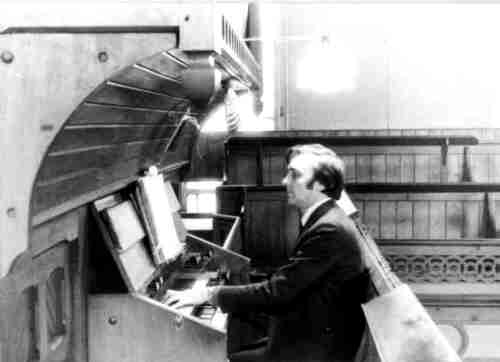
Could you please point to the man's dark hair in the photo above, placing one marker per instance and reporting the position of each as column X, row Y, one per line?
column 328, row 169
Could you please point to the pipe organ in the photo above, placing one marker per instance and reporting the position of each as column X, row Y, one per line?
column 90, row 101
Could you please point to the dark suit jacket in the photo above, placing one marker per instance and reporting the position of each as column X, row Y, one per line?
column 314, row 300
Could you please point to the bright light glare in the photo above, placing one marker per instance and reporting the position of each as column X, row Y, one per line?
column 327, row 68
column 243, row 105
column 216, row 122
column 202, row 185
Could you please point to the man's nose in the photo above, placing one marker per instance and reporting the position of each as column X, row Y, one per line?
column 284, row 181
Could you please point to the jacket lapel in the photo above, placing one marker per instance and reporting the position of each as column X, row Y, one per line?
column 319, row 212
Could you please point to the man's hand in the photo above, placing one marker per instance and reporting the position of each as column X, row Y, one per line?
column 188, row 297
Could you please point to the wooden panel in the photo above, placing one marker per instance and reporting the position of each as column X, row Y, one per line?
column 460, row 266
column 494, row 167
column 137, row 264
column 421, row 216
column 407, row 168
column 365, row 162
column 18, row 335
column 143, row 78
column 362, row 168
column 170, row 63
column 229, row 200
column 454, row 219
column 438, row 219
column 421, row 168
column 271, row 227
column 115, row 94
column 148, row 332
column 432, row 215
column 371, row 217
column 274, row 167
column 46, row 235
column 454, row 163
column 350, row 167
column 75, row 137
column 25, row 307
column 378, row 164
column 472, row 214
column 49, row 195
column 394, row 168
column 55, row 304
column 360, row 205
column 388, row 219
column 90, row 113
column 207, row 160
column 244, row 170
column 50, row 76
column 479, row 165
column 435, row 168
column 404, row 217
column 60, row 164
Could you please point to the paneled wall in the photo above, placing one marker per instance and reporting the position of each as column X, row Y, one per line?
column 402, row 74
column 479, row 163
column 423, row 216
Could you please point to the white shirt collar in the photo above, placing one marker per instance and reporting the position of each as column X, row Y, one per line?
column 307, row 214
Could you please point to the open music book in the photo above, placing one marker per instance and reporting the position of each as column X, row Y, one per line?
column 165, row 233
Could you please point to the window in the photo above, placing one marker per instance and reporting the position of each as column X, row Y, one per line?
column 199, row 197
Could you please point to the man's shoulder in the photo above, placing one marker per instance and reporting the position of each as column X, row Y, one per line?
column 334, row 217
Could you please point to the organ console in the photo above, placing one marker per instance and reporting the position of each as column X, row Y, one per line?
column 144, row 313
column 88, row 101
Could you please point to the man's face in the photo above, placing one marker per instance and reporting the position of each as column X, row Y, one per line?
column 301, row 192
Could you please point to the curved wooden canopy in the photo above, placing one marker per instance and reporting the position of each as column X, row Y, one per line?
column 126, row 124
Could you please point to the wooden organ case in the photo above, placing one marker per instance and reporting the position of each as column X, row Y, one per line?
column 90, row 101
column 142, row 316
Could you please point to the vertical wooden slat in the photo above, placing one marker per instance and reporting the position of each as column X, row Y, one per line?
column 494, row 166
column 42, row 321
column 437, row 219
column 435, row 168
column 421, row 168
column 488, row 217
column 260, row 165
column 421, row 219
column 454, row 166
column 471, row 218
column 479, row 165
column 407, row 168
column 363, row 168
column 372, row 217
column 387, row 219
column 404, row 226
column 378, row 168
column 350, row 167
column 360, row 205
column 393, row 168
column 454, row 219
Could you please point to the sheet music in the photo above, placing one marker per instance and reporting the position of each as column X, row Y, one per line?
column 125, row 226
column 154, row 201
